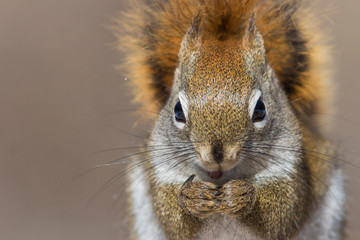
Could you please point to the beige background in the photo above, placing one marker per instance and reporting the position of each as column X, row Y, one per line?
column 59, row 93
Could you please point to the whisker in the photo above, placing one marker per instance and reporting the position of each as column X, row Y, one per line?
column 123, row 131
column 171, row 144
column 122, row 173
column 146, row 174
column 111, row 163
column 285, row 148
column 273, row 161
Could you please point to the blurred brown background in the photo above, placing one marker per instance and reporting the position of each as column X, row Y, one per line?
column 60, row 94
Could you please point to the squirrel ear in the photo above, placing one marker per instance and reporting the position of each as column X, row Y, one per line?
column 195, row 30
column 192, row 38
column 253, row 38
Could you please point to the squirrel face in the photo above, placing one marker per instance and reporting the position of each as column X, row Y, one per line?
column 225, row 102
column 216, row 99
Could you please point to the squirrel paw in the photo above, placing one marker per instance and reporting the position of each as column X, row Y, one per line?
column 200, row 199
column 238, row 198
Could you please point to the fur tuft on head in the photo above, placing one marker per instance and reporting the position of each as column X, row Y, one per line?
column 152, row 32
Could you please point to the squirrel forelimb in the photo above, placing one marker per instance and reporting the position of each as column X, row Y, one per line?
column 202, row 199
column 237, row 86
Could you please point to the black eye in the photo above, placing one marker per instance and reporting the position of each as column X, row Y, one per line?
column 179, row 113
column 259, row 112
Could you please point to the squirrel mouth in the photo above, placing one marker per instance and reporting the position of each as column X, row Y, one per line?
column 215, row 174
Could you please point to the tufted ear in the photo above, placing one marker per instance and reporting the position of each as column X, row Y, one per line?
column 252, row 39
column 191, row 42
column 196, row 28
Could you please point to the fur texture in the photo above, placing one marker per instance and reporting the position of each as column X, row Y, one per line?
column 153, row 30
column 205, row 67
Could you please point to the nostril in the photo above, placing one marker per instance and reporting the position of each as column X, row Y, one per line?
column 218, row 153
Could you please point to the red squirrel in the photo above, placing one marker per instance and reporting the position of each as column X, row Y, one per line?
column 235, row 151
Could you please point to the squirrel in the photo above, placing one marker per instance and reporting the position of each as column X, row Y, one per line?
column 235, row 151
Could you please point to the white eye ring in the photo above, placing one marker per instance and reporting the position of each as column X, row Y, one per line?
column 254, row 98
column 184, row 106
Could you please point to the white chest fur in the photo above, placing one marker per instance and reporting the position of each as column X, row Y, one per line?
column 322, row 226
column 221, row 227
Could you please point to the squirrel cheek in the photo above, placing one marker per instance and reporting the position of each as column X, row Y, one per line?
column 232, row 152
column 205, row 159
column 204, row 154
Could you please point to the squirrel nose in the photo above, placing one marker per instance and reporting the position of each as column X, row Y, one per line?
column 218, row 152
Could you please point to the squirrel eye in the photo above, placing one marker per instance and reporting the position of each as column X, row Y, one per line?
column 259, row 113
column 179, row 113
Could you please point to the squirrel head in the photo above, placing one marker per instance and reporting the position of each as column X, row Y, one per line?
column 225, row 99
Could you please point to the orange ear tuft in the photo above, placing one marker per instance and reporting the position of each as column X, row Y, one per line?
column 252, row 38
column 153, row 31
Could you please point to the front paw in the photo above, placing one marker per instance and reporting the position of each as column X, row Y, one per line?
column 238, row 198
column 200, row 199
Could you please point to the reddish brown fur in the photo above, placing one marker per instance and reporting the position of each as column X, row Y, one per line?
column 276, row 208
column 152, row 33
